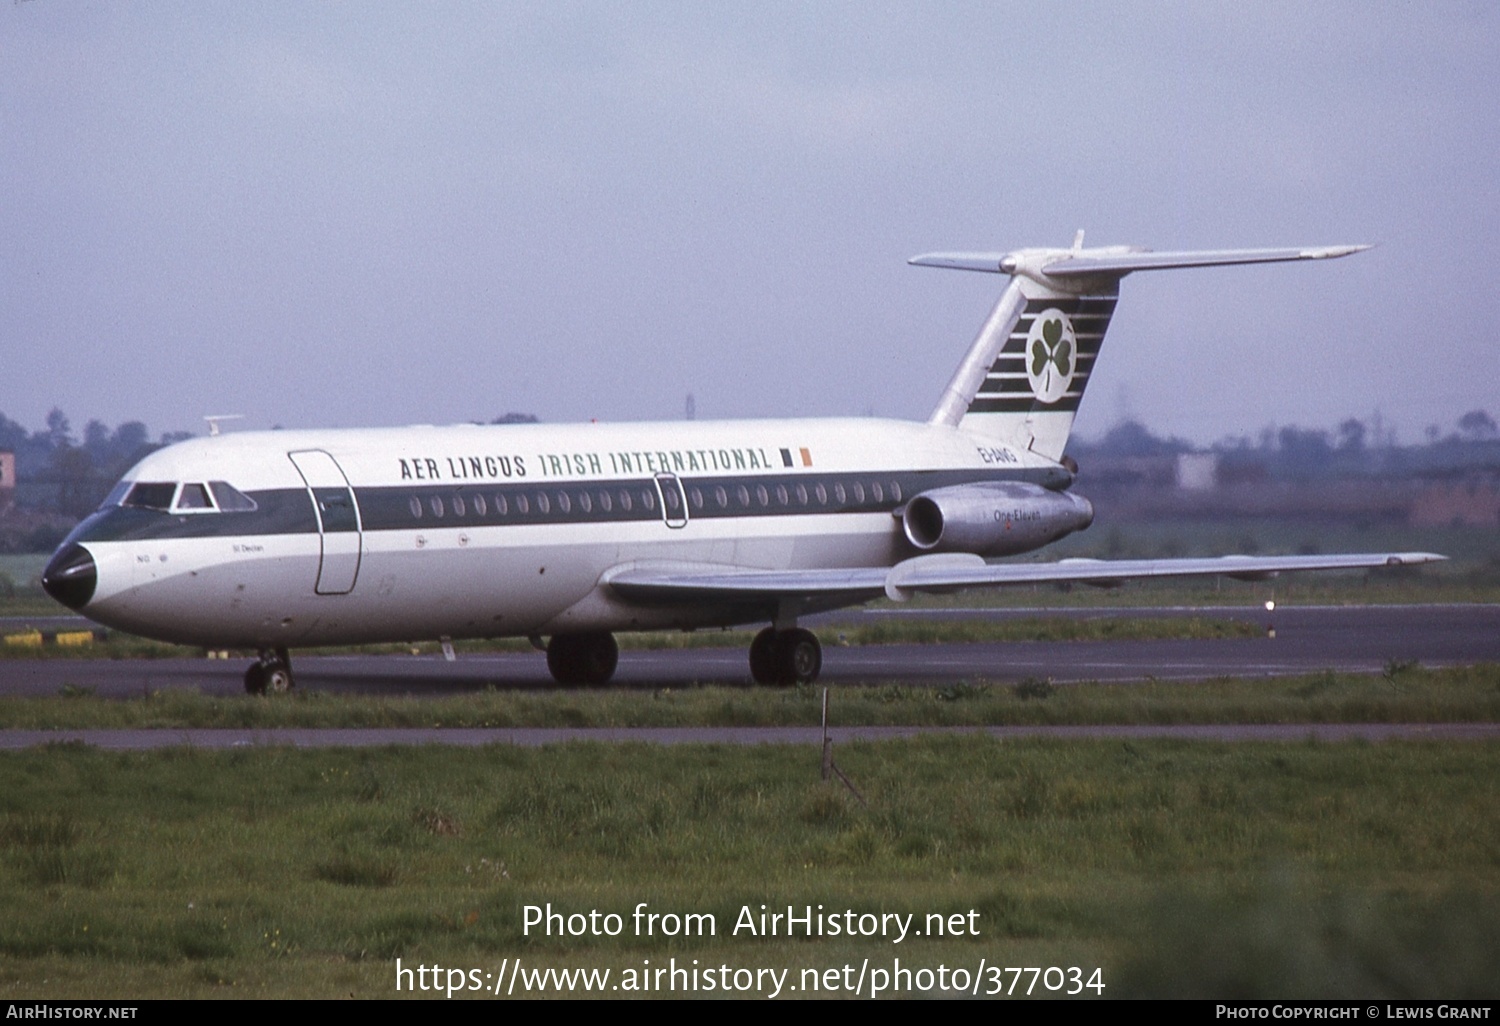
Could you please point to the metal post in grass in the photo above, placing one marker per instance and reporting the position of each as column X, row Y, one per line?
column 827, row 743
column 829, row 766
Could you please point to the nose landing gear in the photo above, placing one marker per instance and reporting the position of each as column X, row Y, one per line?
column 271, row 675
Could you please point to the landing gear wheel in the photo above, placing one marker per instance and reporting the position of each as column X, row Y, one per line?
column 272, row 675
column 278, row 677
column 255, row 679
column 763, row 657
column 587, row 659
column 799, row 657
column 784, row 658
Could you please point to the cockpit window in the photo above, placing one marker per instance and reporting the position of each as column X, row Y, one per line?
column 116, row 495
column 150, row 495
column 193, row 496
column 230, row 498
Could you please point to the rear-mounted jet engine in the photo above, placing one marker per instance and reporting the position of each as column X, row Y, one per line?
column 993, row 519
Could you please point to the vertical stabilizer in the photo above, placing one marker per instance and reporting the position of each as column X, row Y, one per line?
column 1026, row 371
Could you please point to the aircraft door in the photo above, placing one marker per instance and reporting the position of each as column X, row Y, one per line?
column 339, row 529
column 674, row 508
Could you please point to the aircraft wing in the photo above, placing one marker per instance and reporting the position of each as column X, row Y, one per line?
column 672, row 583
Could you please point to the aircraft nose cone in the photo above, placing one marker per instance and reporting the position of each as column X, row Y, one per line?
column 71, row 576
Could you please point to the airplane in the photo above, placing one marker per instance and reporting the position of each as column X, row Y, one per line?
column 275, row 540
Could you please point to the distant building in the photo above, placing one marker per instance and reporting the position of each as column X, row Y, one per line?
column 1197, row 471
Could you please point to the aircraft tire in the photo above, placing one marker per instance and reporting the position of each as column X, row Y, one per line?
column 799, row 656
column 278, row 678
column 270, row 676
column 255, row 679
column 763, row 658
column 583, row 659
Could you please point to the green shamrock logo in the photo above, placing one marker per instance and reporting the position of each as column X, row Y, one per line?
column 1051, row 348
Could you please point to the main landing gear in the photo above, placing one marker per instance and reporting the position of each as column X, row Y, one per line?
column 583, row 659
column 785, row 657
column 778, row 657
column 271, row 675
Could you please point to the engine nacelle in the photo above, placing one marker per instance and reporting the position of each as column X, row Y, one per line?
column 993, row 519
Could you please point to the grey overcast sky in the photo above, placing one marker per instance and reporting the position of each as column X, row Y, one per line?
column 341, row 214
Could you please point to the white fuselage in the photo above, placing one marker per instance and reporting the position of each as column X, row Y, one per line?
column 489, row 531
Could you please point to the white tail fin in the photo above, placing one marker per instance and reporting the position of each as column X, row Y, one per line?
column 1026, row 371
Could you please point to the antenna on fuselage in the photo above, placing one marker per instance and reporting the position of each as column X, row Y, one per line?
column 214, row 419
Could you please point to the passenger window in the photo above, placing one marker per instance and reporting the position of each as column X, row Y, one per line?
column 696, row 497
column 479, row 506
column 721, row 496
column 564, row 503
column 625, row 500
column 647, row 499
column 895, row 491
column 781, row 494
column 522, row 506
column 859, row 492
column 604, row 500
column 459, row 508
column 543, row 504
column 415, row 505
column 801, row 494
column 585, row 501
column 838, row 493
column 501, row 506
column 821, row 493
column 436, row 505
column 875, row 492
column 743, row 494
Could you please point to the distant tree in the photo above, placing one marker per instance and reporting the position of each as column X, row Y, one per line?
column 1352, row 436
column 12, row 435
column 1478, row 426
column 78, row 489
column 516, row 418
column 1304, row 452
column 96, row 438
column 1132, row 438
column 59, row 433
column 130, row 438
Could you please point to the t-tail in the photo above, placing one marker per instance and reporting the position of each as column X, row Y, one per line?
column 1026, row 372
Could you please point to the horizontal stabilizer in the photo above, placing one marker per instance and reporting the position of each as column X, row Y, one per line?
column 1122, row 260
column 1125, row 263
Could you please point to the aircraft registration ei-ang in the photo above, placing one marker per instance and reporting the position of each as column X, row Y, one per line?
column 277, row 539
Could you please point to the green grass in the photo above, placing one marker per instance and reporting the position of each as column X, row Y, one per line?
column 1403, row 694
column 1179, row 868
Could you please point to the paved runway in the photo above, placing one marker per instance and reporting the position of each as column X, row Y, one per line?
column 1358, row 639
